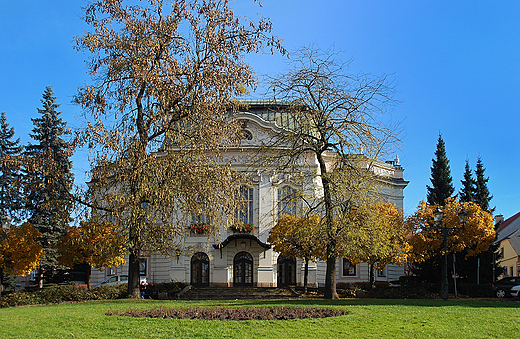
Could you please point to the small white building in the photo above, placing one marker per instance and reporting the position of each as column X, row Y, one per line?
column 247, row 259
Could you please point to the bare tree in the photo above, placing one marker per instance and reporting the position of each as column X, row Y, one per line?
column 334, row 125
column 165, row 72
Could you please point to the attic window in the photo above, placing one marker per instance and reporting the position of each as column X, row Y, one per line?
column 247, row 135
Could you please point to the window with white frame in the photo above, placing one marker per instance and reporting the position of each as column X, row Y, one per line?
column 381, row 273
column 286, row 201
column 245, row 212
column 348, row 268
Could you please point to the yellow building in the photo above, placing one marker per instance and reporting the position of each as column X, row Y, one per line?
column 509, row 239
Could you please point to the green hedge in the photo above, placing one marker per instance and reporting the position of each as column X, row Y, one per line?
column 62, row 293
column 413, row 289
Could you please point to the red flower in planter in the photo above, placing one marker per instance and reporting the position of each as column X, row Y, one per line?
column 200, row 228
column 242, row 228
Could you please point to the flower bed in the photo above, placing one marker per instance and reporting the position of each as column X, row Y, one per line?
column 228, row 313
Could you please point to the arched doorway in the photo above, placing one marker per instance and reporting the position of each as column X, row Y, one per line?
column 286, row 271
column 200, row 269
column 243, row 269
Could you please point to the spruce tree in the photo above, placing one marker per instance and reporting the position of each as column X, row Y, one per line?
column 10, row 152
column 466, row 193
column 442, row 187
column 49, row 180
column 482, row 197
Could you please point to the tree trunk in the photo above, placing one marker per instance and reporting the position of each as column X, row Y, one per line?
column 89, row 275
column 306, row 275
column 372, row 276
column 330, row 274
column 1, row 281
column 40, row 278
column 330, row 278
column 133, row 274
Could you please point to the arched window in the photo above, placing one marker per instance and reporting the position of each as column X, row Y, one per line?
column 243, row 269
column 200, row 269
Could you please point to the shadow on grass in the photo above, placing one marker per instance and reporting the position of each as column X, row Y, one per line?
column 315, row 302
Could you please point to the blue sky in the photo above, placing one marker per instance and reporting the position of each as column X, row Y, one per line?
column 455, row 65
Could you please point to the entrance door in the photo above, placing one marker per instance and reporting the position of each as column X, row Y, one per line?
column 286, row 271
column 243, row 269
column 200, row 269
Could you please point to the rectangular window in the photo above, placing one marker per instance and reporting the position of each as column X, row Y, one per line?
column 142, row 266
column 381, row 273
column 245, row 212
column 505, row 272
column 348, row 268
column 286, row 201
column 112, row 270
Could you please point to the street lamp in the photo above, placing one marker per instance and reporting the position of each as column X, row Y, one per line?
column 437, row 220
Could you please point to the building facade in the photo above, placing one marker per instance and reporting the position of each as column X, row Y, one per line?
column 237, row 258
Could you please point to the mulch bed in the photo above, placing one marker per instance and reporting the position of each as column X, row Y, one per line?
column 228, row 313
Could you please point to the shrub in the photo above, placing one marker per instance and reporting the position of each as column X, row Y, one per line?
column 172, row 288
column 62, row 293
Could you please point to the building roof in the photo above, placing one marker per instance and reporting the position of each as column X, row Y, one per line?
column 238, row 236
column 514, row 240
column 508, row 227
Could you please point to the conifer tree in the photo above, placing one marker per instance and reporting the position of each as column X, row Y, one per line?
column 487, row 258
column 442, row 187
column 10, row 151
column 48, row 181
column 468, row 185
column 482, row 197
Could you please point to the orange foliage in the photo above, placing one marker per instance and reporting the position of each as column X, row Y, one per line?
column 295, row 236
column 19, row 251
column 97, row 244
column 474, row 237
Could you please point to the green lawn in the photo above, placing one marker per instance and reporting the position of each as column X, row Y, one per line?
column 366, row 319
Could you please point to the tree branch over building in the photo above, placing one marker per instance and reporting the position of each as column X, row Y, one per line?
column 165, row 75
column 336, row 128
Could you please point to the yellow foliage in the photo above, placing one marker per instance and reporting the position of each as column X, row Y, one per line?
column 375, row 234
column 19, row 251
column 97, row 244
column 474, row 237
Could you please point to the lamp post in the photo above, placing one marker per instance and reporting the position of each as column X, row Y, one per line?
column 437, row 220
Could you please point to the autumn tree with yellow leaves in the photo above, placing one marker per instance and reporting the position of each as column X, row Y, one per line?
column 95, row 243
column 473, row 237
column 166, row 74
column 297, row 237
column 375, row 234
column 20, row 251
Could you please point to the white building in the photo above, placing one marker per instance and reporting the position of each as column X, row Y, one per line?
column 238, row 259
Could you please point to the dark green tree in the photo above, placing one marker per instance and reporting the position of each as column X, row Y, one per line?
column 466, row 193
column 10, row 152
column 442, row 187
column 485, row 261
column 48, row 181
column 482, row 197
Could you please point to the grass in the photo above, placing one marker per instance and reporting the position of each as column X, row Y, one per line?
column 367, row 318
